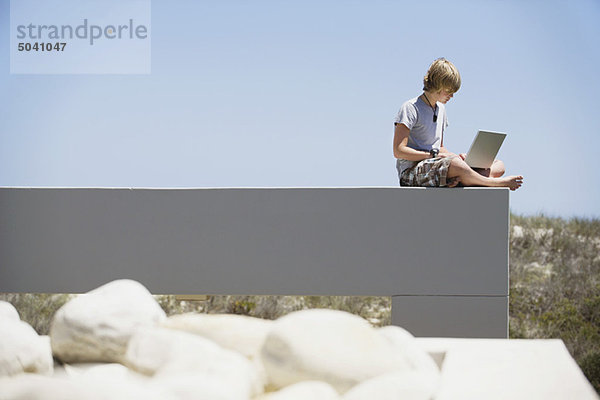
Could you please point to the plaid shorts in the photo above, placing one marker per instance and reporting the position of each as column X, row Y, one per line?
column 428, row 172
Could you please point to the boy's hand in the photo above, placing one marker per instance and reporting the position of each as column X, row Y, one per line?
column 463, row 156
column 447, row 154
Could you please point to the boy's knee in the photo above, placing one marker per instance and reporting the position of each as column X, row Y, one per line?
column 458, row 162
column 457, row 167
column 498, row 168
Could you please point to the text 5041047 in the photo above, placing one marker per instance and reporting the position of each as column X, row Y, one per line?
column 42, row 46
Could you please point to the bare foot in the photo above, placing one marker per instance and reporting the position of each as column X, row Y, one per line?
column 511, row 182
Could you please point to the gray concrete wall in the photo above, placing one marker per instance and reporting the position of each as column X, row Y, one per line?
column 408, row 242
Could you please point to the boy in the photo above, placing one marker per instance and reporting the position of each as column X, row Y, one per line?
column 422, row 159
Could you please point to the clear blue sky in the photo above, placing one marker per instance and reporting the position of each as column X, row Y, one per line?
column 303, row 93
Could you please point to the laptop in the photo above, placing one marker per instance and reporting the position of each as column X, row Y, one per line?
column 484, row 149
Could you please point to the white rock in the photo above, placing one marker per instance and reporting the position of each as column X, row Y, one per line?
column 103, row 372
column 332, row 346
column 22, row 349
column 517, row 232
column 307, row 390
column 8, row 311
column 37, row 387
column 240, row 333
column 164, row 352
column 404, row 343
column 194, row 386
column 394, row 386
column 115, row 381
column 97, row 326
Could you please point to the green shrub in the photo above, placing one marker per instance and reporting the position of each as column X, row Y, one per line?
column 242, row 307
column 37, row 309
column 590, row 365
column 555, row 284
column 376, row 310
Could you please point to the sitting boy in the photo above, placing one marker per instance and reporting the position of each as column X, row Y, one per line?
column 422, row 159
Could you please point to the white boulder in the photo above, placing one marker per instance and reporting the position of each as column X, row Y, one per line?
column 101, row 372
column 405, row 343
column 39, row 387
column 8, row 311
column 193, row 385
column 307, row 390
column 96, row 326
column 168, row 353
column 84, row 387
column 397, row 385
column 240, row 333
column 331, row 346
column 22, row 349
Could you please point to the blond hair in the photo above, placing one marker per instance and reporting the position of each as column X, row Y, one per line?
column 441, row 75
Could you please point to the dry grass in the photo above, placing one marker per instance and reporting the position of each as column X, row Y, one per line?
column 555, row 285
column 376, row 310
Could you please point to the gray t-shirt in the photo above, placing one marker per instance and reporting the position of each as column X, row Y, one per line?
column 424, row 133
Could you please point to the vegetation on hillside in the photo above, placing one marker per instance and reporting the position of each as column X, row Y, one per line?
column 376, row 310
column 555, row 285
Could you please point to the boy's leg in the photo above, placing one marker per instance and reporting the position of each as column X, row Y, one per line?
column 431, row 172
column 468, row 177
column 495, row 171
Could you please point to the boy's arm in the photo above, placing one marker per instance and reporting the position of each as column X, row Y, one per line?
column 401, row 149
